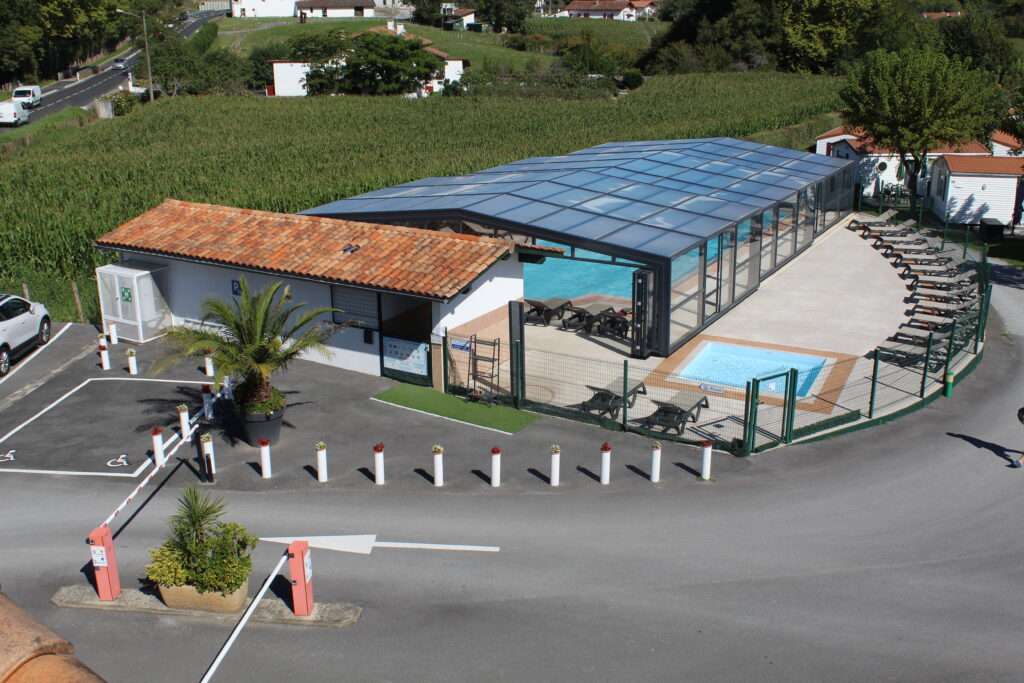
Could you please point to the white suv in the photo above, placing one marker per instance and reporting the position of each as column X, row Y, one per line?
column 23, row 326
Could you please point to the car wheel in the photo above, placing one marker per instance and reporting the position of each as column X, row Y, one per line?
column 44, row 332
column 5, row 361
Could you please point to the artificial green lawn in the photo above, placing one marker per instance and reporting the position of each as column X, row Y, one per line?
column 434, row 402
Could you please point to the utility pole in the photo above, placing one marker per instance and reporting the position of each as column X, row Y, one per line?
column 145, row 40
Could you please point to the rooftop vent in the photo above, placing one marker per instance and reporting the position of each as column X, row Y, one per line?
column 350, row 249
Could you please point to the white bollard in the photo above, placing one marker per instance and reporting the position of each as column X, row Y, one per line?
column 158, row 446
column 211, row 461
column 438, row 465
column 208, row 365
column 133, row 363
column 112, row 331
column 378, row 464
column 606, row 464
column 265, row 467
column 227, row 390
column 186, row 428
column 495, row 467
column 104, row 357
column 705, row 461
column 556, row 464
column 207, row 402
column 321, row 462
column 655, row 462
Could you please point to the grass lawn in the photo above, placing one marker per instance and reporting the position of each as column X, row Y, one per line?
column 434, row 402
column 633, row 34
column 244, row 35
column 63, row 119
column 800, row 136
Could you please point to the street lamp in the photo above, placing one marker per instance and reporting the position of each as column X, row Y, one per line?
column 145, row 38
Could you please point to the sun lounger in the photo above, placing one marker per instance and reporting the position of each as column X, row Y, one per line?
column 882, row 219
column 911, row 359
column 584, row 317
column 896, row 242
column 614, row 323
column 609, row 400
column 544, row 310
column 683, row 407
column 951, row 311
column 922, row 260
column 953, row 296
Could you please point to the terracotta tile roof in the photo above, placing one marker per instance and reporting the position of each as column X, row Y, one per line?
column 640, row 4
column 408, row 260
column 464, row 12
column 840, row 130
column 866, row 145
column 597, row 5
column 935, row 16
column 1004, row 138
column 986, row 165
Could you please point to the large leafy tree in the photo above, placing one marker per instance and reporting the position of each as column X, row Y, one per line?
column 979, row 36
column 506, row 15
column 176, row 67
column 427, row 12
column 375, row 64
column 815, row 33
column 913, row 101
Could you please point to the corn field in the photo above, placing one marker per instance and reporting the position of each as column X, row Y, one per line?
column 64, row 190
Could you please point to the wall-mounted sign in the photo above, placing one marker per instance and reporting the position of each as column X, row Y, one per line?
column 309, row 566
column 406, row 356
column 126, row 295
column 236, row 288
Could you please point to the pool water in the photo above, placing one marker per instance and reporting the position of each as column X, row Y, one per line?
column 734, row 365
column 568, row 279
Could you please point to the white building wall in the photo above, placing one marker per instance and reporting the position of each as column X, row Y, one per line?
column 336, row 13
column 290, row 79
column 999, row 150
column 263, row 8
column 821, row 147
column 973, row 197
column 189, row 284
column 502, row 283
column 869, row 166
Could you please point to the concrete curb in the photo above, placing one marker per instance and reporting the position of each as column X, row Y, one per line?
column 270, row 610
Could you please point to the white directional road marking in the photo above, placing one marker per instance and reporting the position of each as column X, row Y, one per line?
column 363, row 544
column 8, row 456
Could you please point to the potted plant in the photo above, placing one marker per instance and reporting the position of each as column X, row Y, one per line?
column 251, row 338
column 205, row 563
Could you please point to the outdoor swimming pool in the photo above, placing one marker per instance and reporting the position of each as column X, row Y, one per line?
column 734, row 365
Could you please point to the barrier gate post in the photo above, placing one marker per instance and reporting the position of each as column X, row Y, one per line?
column 300, row 568
column 104, row 563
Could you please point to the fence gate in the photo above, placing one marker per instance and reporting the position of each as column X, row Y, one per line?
column 770, row 410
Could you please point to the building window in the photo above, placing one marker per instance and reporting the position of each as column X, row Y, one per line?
column 357, row 307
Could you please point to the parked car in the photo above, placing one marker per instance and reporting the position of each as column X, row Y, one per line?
column 24, row 325
column 14, row 113
column 28, row 95
column 120, row 63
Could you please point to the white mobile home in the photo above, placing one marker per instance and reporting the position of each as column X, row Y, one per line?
column 335, row 9
column 618, row 10
column 967, row 189
column 398, row 289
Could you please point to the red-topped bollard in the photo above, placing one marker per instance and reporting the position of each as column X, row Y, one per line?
column 495, row 467
column 157, row 435
column 378, row 464
column 606, row 463
column 104, row 354
column 265, row 467
column 104, row 563
column 300, row 567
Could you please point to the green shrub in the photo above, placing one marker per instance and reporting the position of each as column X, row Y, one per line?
column 202, row 552
column 632, row 79
column 124, row 103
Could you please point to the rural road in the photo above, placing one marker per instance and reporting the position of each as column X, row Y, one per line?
column 66, row 94
column 889, row 554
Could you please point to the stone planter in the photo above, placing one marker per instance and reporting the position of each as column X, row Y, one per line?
column 187, row 597
column 257, row 426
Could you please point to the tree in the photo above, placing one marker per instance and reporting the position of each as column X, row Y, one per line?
column 261, row 68
column 979, row 37
column 319, row 47
column 913, row 101
column 224, row 72
column 175, row 65
column 816, row 32
column 427, row 12
column 506, row 15
column 376, row 64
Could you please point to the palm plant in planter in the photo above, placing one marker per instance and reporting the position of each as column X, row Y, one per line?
column 204, row 563
column 251, row 338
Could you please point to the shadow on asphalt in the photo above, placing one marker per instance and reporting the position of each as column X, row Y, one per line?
column 423, row 473
column 483, row 476
column 638, row 472
column 583, row 470
column 540, row 475
column 996, row 449
column 686, row 468
column 1008, row 276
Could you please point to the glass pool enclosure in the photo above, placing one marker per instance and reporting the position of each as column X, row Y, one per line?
column 700, row 222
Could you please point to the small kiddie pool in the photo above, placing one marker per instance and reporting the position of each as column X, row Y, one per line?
column 734, row 365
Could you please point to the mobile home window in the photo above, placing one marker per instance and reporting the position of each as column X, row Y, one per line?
column 357, row 307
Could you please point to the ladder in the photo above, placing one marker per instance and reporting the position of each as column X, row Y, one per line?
column 484, row 358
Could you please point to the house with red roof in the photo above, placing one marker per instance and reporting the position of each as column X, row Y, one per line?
column 618, row 10
column 967, row 189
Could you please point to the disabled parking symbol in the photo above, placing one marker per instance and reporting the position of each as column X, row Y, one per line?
column 8, row 456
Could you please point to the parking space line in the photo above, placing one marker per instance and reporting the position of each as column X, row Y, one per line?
column 24, row 361
column 440, row 417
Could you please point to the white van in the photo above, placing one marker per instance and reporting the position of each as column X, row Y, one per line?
column 28, row 95
column 13, row 113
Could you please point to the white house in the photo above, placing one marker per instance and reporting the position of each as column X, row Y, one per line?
column 290, row 76
column 966, row 189
column 878, row 166
column 645, row 9
column 335, row 9
column 458, row 18
column 619, row 10
column 1004, row 144
column 263, row 8
column 398, row 289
